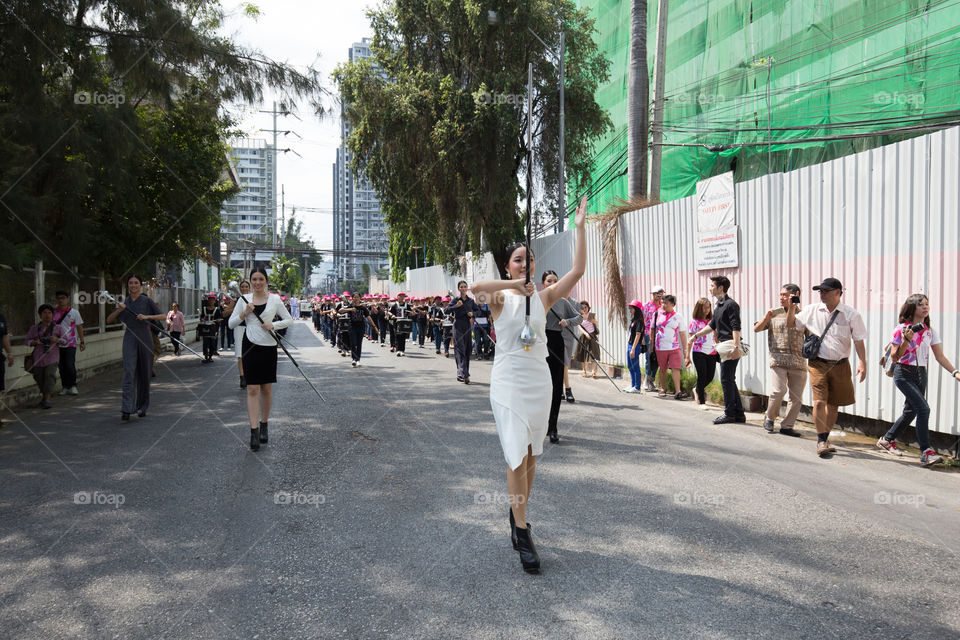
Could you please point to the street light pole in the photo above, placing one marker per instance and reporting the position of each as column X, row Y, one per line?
column 562, row 204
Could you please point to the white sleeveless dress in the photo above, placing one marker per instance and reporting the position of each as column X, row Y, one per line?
column 520, row 386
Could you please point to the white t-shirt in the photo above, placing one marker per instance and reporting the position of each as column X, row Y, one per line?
column 69, row 324
column 847, row 328
column 669, row 327
column 917, row 352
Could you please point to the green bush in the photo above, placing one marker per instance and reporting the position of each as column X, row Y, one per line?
column 688, row 380
column 715, row 392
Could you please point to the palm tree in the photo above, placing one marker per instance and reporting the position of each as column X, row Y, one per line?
column 638, row 98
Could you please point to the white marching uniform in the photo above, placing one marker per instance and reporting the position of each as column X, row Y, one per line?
column 520, row 385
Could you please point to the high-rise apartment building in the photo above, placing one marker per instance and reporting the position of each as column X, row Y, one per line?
column 359, row 233
column 252, row 213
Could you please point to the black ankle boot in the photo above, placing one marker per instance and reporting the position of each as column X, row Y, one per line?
column 254, row 439
column 513, row 529
column 528, row 553
column 263, row 433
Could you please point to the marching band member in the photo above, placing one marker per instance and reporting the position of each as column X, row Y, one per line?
column 359, row 317
column 259, row 351
column 401, row 313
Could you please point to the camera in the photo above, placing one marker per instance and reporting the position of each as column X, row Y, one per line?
column 917, row 328
column 795, row 299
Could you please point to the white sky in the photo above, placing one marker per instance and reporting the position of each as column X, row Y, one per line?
column 301, row 33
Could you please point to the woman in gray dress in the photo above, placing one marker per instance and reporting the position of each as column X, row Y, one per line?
column 135, row 312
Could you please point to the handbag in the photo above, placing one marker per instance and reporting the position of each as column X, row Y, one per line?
column 886, row 360
column 811, row 344
column 726, row 348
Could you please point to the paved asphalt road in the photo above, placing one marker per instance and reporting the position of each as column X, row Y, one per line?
column 381, row 513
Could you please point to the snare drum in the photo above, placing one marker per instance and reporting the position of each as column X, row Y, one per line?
column 207, row 329
column 343, row 322
column 403, row 326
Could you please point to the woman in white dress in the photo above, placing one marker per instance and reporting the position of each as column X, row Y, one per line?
column 520, row 385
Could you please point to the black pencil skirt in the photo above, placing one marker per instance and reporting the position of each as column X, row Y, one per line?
column 259, row 362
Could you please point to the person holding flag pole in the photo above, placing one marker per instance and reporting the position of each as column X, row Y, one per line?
column 520, row 384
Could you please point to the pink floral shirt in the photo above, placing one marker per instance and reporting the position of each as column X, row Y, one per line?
column 650, row 309
column 704, row 344
column 669, row 326
column 918, row 351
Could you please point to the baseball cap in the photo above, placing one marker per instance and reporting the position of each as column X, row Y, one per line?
column 636, row 303
column 657, row 288
column 828, row 284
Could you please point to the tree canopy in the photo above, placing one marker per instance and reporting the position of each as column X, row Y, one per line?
column 113, row 116
column 439, row 121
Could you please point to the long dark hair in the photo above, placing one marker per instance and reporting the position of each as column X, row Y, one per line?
column 548, row 272
column 910, row 307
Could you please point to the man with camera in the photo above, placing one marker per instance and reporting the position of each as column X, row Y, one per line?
column 838, row 327
column 788, row 367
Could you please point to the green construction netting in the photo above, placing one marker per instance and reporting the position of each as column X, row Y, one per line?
column 778, row 70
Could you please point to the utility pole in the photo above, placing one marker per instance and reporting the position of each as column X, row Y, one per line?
column 283, row 218
column 659, row 69
column 276, row 154
column 562, row 204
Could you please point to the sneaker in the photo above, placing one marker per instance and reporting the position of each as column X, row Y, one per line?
column 354, row 363
column 47, row 405
column 768, row 425
column 74, row 391
column 64, row 391
column 889, row 447
column 357, row 363
column 629, row 390
column 930, row 458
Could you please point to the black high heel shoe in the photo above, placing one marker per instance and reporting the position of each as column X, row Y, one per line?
column 243, row 382
column 513, row 530
column 263, row 433
column 569, row 395
column 254, row 439
column 528, row 552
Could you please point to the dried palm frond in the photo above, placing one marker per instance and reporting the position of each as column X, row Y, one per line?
column 610, row 238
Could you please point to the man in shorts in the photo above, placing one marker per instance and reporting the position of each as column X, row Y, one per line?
column 830, row 377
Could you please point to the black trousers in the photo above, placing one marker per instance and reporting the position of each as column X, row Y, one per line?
column 399, row 340
column 421, row 331
column 461, row 351
column 343, row 340
column 176, row 345
column 706, row 366
column 209, row 345
column 731, row 395
column 356, row 340
column 555, row 363
column 68, row 367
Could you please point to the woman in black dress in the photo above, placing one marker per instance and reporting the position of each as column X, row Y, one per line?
column 260, row 350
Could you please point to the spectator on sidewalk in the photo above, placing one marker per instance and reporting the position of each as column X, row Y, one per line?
column 561, row 316
column 72, row 324
column 45, row 337
column 830, row 377
column 650, row 309
column 726, row 324
column 482, row 332
column 588, row 349
column 703, row 350
column 6, row 357
column 913, row 339
column 634, row 341
column 788, row 369
column 570, row 343
column 175, row 325
column 670, row 341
